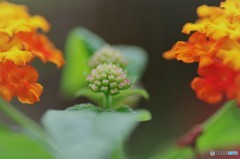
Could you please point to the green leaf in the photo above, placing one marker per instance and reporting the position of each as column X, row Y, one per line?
column 97, row 98
column 123, row 96
column 143, row 115
column 175, row 153
column 125, row 109
column 80, row 45
column 93, row 41
column 222, row 130
column 140, row 114
column 17, row 145
column 137, row 59
column 88, row 135
column 88, row 107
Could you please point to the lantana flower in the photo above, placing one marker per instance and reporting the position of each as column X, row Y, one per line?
column 215, row 44
column 21, row 40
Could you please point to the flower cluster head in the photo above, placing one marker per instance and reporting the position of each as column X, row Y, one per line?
column 215, row 45
column 107, row 54
column 20, row 43
column 108, row 78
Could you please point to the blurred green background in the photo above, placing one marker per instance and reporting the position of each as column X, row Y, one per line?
column 154, row 25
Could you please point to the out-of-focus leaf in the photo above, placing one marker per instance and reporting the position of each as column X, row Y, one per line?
column 175, row 153
column 88, row 135
column 88, row 107
column 143, row 115
column 140, row 114
column 93, row 41
column 120, row 99
column 137, row 59
column 97, row 98
column 222, row 130
column 80, row 45
column 17, row 145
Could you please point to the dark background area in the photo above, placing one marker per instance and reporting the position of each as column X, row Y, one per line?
column 154, row 25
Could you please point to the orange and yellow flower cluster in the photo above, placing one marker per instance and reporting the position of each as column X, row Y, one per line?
column 215, row 45
column 21, row 40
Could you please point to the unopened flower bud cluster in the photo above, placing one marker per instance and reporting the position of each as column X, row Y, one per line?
column 108, row 78
column 107, row 55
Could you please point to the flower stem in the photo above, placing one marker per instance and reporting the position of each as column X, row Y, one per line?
column 21, row 119
column 107, row 100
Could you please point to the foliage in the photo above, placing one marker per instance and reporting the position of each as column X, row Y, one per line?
column 18, row 145
column 221, row 132
column 82, row 132
column 80, row 46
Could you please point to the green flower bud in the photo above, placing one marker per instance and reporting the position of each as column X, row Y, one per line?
column 114, row 91
column 113, row 79
column 105, row 82
column 107, row 55
column 93, row 87
column 97, row 83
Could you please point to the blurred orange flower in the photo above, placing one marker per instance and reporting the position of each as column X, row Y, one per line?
column 20, row 43
column 19, row 81
column 215, row 45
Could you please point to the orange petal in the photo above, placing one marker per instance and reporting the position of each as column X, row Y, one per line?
column 19, row 81
column 216, row 81
column 208, row 90
column 197, row 47
column 41, row 47
column 30, row 93
column 16, row 56
column 15, row 18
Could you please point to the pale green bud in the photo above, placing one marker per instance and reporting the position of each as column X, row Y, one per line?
column 107, row 54
column 108, row 78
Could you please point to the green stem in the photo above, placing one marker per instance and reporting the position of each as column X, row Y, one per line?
column 21, row 119
column 108, row 100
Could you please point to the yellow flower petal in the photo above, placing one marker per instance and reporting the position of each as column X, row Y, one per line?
column 16, row 56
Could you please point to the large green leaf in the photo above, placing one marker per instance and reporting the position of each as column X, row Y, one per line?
column 137, row 59
column 141, row 114
column 17, row 145
column 88, row 134
column 80, row 45
column 222, row 130
column 86, row 107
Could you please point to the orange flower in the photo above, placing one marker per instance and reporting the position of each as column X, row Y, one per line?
column 11, row 49
column 197, row 47
column 20, row 42
column 19, row 81
column 215, row 45
column 41, row 47
column 216, row 81
column 15, row 18
column 217, row 22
